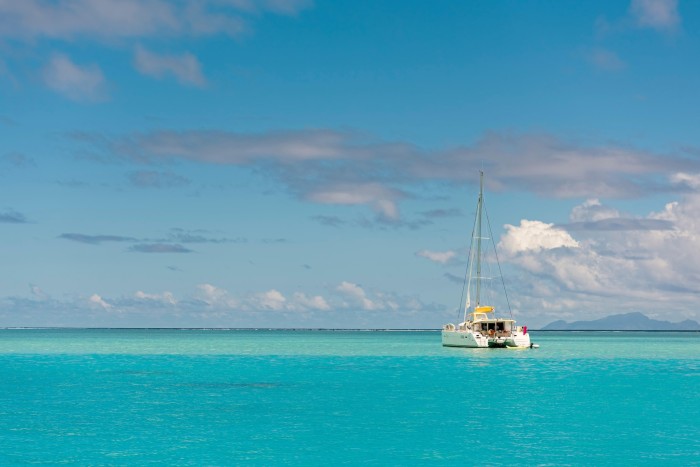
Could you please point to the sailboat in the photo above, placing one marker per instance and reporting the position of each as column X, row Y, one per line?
column 480, row 326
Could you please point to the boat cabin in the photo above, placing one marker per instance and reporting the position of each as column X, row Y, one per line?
column 489, row 326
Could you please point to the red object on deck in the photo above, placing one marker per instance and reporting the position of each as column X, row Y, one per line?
column 524, row 329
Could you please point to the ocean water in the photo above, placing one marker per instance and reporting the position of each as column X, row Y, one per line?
column 196, row 397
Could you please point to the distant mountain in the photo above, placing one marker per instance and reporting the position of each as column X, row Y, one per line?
column 623, row 322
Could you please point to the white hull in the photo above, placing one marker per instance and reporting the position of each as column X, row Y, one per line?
column 470, row 339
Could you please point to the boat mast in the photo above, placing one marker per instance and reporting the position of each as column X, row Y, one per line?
column 479, row 208
column 475, row 254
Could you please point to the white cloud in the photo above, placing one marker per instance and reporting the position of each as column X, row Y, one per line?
column 185, row 68
column 535, row 236
column 355, row 293
column 79, row 83
column 441, row 257
column 653, row 270
column 165, row 297
column 270, row 300
column 345, row 305
column 216, row 297
column 661, row 15
column 96, row 301
column 304, row 302
column 381, row 198
column 37, row 292
column 689, row 180
column 592, row 210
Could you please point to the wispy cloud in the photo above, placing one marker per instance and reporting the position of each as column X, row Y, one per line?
column 108, row 20
column 441, row 213
column 620, row 224
column 76, row 82
column 12, row 217
column 184, row 67
column 593, row 215
column 18, row 160
column 331, row 221
column 229, row 148
column 442, row 257
column 605, row 60
column 159, row 248
column 661, row 15
column 170, row 243
column 178, row 235
column 95, row 239
column 381, row 198
column 5, row 120
column 345, row 168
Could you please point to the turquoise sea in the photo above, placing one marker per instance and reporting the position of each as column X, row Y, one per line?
column 232, row 397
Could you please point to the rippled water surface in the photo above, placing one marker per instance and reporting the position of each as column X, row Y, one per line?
column 194, row 397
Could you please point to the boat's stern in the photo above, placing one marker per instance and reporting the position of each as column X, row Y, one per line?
column 519, row 338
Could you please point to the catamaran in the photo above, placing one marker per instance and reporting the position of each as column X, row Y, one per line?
column 480, row 327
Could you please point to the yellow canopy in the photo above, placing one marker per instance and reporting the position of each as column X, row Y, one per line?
column 483, row 309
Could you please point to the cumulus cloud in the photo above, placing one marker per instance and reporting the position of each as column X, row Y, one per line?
column 441, row 257
column 215, row 296
column 535, row 236
column 304, row 302
column 592, row 210
column 165, row 297
column 76, row 82
column 270, row 300
column 210, row 305
column 356, row 294
column 185, row 67
column 648, row 263
column 96, row 301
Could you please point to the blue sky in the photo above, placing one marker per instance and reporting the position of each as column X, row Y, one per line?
column 275, row 163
